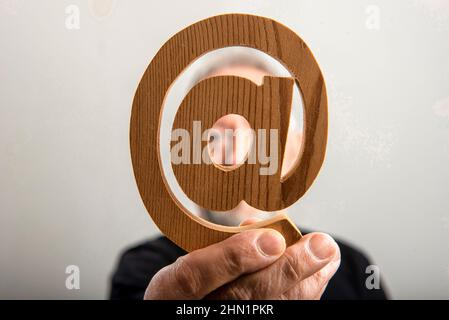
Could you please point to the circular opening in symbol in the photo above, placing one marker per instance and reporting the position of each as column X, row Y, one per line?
column 253, row 65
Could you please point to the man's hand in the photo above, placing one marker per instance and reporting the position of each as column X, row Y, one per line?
column 251, row 265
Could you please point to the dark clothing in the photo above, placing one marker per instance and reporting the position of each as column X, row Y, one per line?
column 139, row 264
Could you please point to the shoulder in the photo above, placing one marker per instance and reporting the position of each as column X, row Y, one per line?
column 138, row 264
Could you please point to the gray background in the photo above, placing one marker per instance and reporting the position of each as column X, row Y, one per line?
column 67, row 192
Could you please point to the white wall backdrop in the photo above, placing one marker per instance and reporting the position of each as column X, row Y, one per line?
column 67, row 191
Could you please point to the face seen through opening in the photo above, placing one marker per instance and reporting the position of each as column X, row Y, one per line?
column 234, row 153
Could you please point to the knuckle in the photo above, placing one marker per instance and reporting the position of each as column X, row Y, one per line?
column 238, row 293
column 322, row 276
column 283, row 296
column 289, row 268
column 240, row 252
column 186, row 278
column 150, row 292
column 159, row 280
column 233, row 261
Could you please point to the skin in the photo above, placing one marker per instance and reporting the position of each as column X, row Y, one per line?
column 251, row 265
column 254, row 264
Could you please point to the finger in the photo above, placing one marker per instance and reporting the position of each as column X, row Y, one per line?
column 314, row 286
column 249, row 221
column 300, row 261
column 198, row 273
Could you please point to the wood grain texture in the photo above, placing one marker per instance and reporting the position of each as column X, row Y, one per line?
column 188, row 231
column 263, row 106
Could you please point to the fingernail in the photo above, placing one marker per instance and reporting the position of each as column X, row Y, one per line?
column 271, row 243
column 322, row 246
